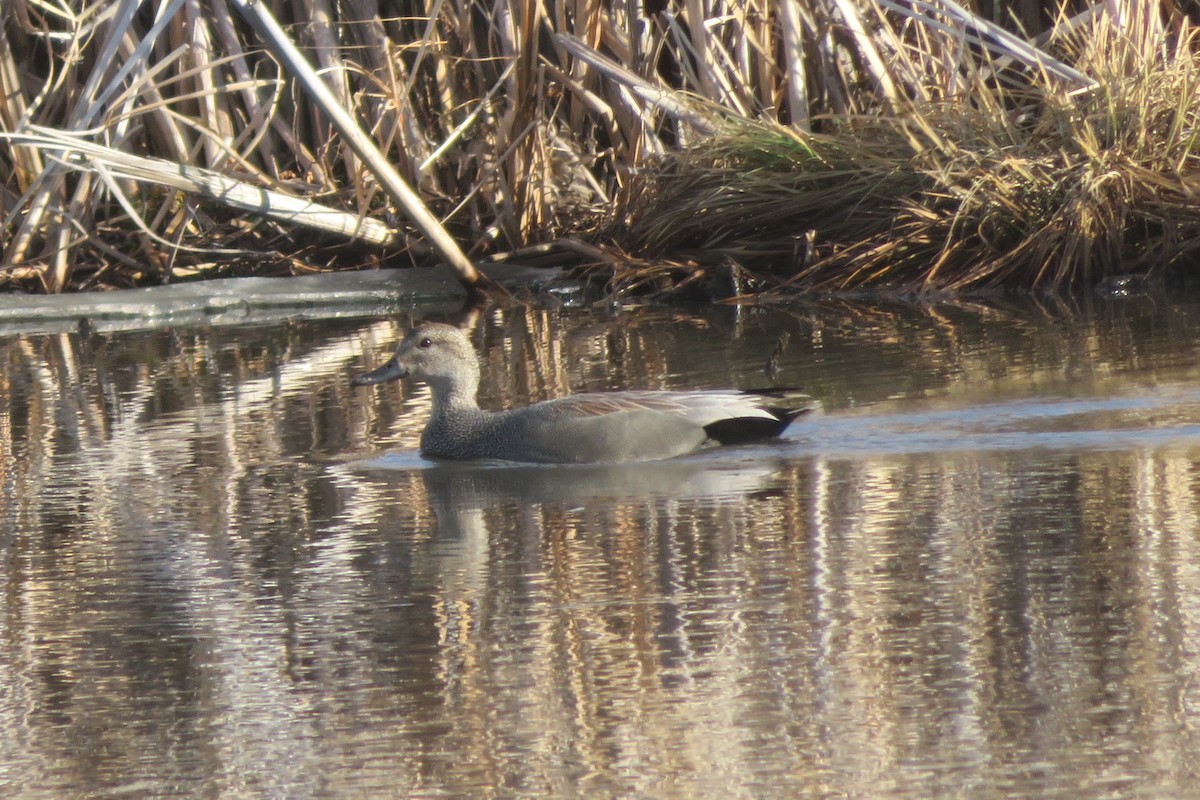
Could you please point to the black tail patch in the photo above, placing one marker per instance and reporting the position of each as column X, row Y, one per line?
column 741, row 430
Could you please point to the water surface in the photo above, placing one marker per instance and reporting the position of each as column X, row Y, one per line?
column 976, row 573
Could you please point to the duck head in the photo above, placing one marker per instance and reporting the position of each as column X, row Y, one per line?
column 433, row 353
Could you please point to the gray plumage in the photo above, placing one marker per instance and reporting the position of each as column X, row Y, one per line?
column 580, row 429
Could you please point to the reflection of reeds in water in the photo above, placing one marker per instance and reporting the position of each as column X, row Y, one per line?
column 177, row 549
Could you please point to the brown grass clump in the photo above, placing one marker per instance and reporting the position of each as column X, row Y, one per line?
column 1035, row 185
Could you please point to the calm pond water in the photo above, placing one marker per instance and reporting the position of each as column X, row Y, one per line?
column 225, row 573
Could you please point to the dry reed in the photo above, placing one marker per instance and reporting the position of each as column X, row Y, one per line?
column 837, row 143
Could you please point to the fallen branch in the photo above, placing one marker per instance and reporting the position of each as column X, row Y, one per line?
column 78, row 153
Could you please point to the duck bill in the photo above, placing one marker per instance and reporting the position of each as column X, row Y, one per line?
column 388, row 372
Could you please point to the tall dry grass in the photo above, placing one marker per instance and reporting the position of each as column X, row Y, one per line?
column 1065, row 165
column 831, row 143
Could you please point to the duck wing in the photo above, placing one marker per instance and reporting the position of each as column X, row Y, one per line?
column 638, row 425
column 702, row 408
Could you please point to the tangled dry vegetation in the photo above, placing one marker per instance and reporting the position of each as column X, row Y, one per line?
column 724, row 146
column 1029, row 178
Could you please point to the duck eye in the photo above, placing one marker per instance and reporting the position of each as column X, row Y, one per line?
column 425, row 343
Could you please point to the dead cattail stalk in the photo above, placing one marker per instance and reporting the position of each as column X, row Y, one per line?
column 396, row 186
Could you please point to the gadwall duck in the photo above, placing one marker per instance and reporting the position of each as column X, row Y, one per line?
column 580, row 429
